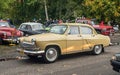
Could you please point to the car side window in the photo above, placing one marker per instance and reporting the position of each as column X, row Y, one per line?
column 86, row 30
column 28, row 27
column 23, row 27
column 73, row 30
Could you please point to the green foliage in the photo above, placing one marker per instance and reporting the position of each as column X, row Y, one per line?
column 103, row 9
column 4, row 8
column 27, row 10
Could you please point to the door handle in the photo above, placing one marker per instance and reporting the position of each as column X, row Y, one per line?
column 79, row 35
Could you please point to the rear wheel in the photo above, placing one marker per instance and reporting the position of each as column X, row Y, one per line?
column 97, row 49
column 51, row 55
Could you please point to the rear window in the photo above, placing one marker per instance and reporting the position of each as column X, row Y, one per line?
column 86, row 30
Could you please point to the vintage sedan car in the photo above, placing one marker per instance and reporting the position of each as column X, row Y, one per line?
column 8, row 33
column 31, row 28
column 64, row 38
column 115, row 62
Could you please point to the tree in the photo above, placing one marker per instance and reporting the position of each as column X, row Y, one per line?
column 102, row 10
column 27, row 10
column 4, row 8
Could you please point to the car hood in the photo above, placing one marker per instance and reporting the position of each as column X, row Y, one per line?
column 41, row 31
column 8, row 33
column 7, row 29
column 44, row 37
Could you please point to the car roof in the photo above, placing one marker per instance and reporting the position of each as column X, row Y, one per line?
column 32, row 23
column 80, row 24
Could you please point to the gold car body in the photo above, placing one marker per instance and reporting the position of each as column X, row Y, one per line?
column 65, row 42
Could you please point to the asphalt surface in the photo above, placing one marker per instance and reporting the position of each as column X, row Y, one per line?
column 74, row 64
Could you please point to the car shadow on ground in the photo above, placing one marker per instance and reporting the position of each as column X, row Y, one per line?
column 39, row 60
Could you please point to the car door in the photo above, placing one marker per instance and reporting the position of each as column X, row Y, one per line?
column 74, row 40
column 88, row 36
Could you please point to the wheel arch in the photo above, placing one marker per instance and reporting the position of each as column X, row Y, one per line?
column 97, row 45
column 55, row 46
column 101, row 45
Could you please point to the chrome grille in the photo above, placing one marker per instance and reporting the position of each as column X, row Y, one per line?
column 27, row 45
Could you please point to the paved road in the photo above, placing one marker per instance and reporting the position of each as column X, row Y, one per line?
column 75, row 64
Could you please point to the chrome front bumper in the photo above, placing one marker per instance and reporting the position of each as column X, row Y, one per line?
column 29, row 48
column 30, row 52
column 11, row 40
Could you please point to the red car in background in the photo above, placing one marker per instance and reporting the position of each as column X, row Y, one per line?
column 8, row 32
column 100, row 28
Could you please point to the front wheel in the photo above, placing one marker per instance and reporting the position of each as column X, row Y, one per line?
column 51, row 55
column 97, row 49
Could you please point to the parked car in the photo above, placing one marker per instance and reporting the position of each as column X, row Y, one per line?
column 115, row 62
column 31, row 28
column 64, row 38
column 100, row 28
column 8, row 33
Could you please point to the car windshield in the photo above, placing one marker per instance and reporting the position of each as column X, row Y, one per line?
column 37, row 27
column 58, row 29
column 4, row 24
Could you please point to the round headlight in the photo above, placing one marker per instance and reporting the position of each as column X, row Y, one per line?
column 4, row 33
column 33, row 41
column 18, row 40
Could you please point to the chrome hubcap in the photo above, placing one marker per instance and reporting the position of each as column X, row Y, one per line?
column 98, row 49
column 51, row 54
